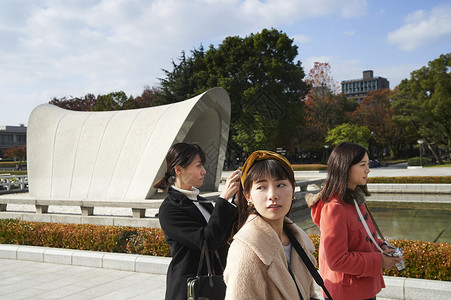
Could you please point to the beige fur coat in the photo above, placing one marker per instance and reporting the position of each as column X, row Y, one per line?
column 257, row 267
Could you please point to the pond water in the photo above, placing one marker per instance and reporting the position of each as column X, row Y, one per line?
column 429, row 222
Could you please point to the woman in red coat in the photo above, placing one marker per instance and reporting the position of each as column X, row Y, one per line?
column 349, row 262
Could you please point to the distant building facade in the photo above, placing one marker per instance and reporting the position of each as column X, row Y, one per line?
column 357, row 89
column 11, row 136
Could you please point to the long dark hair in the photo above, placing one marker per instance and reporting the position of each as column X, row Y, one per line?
column 342, row 158
column 260, row 169
column 180, row 154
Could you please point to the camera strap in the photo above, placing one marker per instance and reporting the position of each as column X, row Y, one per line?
column 375, row 224
column 366, row 227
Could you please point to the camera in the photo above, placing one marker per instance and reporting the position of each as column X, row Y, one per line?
column 398, row 253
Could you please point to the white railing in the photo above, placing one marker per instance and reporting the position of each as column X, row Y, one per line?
column 13, row 183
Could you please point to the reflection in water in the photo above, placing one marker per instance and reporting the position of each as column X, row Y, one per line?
column 430, row 222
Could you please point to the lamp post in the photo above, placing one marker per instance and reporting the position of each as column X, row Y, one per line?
column 421, row 152
column 326, row 146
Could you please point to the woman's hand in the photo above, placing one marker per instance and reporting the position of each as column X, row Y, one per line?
column 387, row 249
column 389, row 261
column 232, row 185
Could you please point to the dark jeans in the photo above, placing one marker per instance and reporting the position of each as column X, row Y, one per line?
column 374, row 298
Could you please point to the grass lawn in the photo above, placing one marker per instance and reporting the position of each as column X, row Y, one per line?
column 446, row 164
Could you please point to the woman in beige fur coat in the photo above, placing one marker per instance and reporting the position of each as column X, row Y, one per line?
column 261, row 263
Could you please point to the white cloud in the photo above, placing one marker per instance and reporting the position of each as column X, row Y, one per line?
column 396, row 73
column 422, row 28
column 290, row 10
column 300, row 39
column 56, row 48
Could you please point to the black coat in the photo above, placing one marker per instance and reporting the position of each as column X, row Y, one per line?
column 185, row 229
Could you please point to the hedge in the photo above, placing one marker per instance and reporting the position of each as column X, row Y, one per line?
column 417, row 161
column 410, row 179
column 424, row 260
column 309, row 167
column 11, row 172
column 120, row 239
column 12, row 164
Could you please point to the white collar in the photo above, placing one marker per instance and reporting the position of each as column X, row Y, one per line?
column 192, row 194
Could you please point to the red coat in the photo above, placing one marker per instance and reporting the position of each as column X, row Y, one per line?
column 349, row 262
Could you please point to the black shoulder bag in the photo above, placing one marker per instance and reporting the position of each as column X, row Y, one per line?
column 308, row 263
column 206, row 287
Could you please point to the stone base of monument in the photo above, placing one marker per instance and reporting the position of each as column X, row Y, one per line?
column 105, row 212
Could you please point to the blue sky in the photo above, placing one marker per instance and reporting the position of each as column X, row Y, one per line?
column 70, row 48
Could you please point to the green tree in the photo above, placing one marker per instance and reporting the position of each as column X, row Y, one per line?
column 263, row 81
column 186, row 80
column 423, row 103
column 349, row 133
column 112, row 101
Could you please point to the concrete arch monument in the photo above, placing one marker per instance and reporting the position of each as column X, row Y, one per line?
column 118, row 155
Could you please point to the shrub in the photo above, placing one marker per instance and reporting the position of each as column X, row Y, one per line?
column 415, row 161
column 424, row 260
column 411, row 179
column 306, row 167
column 121, row 239
column 310, row 167
column 13, row 172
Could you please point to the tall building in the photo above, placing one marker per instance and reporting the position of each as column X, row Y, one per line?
column 358, row 88
column 12, row 136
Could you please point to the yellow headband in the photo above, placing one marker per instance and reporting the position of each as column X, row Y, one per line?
column 261, row 155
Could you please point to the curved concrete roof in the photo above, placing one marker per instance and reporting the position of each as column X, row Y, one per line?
column 120, row 154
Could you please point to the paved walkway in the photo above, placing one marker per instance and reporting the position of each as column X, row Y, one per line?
column 22, row 279
column 25, row 279
column 33, row 280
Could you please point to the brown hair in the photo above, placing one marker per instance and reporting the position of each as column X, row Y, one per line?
column 342, row 158
column 180, row 154
column 260, row 169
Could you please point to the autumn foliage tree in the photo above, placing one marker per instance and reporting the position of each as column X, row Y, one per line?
column 112, row 101
column 320, row 77
column 325, row 108
column 148, row 98
column 75, row 103
column 375, row 112
column 16, row 153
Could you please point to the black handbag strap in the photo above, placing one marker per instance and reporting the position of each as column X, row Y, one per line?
column 292, row 276
column 308, row 263
column 204, row 253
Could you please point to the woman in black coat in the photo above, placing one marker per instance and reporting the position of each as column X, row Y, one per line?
column 187, row 221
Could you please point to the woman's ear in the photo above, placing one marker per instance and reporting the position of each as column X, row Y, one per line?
column 246, row 195
column 178, row 169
